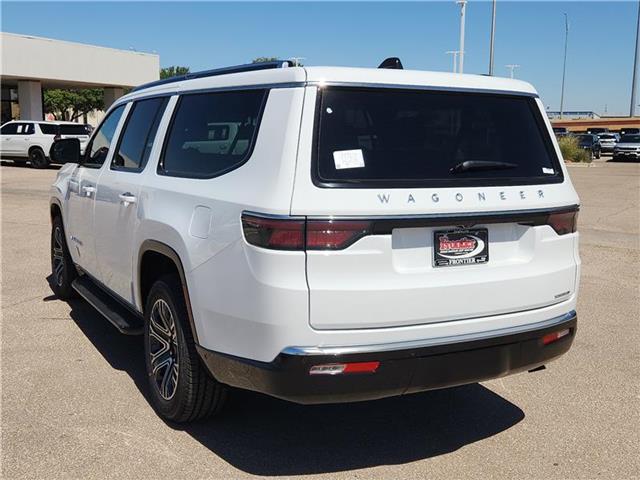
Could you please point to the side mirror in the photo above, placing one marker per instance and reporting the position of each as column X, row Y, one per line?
column 66, row 150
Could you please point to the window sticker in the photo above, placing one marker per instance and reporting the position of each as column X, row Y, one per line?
column 548, row 171
column 344, row 159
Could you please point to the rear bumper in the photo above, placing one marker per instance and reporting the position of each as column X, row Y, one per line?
column 402, row 370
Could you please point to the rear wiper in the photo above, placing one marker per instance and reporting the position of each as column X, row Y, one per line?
column 471, row 165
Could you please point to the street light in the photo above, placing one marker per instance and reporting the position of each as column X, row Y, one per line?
column 454, row 53
column 564, row 68
column 463, row 9
column 493, row 35
column 511, row 68
column 632, row 109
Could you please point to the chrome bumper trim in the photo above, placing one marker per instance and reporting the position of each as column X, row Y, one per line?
column 430, row 342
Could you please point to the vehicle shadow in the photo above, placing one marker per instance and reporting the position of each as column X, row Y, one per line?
column 25, row 164
column 265, row 436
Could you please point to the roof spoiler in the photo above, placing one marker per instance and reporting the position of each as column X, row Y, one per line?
column 392, row 63
column 249, row 67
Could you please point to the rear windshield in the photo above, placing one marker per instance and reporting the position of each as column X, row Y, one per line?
column 607, row 136
column 630, row 139
column 74, row 130
column 375, row 137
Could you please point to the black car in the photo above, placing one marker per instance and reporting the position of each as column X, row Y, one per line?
column 590, row 143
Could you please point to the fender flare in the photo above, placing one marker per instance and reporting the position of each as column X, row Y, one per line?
column 171, row 254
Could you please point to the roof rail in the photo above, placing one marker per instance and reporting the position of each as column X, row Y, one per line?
column 249, row 67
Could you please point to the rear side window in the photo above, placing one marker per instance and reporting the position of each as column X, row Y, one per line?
column 74, row 130
column 139, row 133
column 385, row 137
column 25, row 128
column 212, row 133
column 48, row 129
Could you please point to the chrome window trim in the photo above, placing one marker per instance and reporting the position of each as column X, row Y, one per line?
column 431, row 342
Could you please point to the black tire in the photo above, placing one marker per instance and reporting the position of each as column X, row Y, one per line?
column 62, row 268
column 37, row 158
column 598, row 155
column 181, row 389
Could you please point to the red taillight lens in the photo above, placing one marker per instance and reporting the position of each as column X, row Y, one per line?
column 564, row 222
column 286, row 234
column 334, row 234
column 555, row 336
column 298, row 234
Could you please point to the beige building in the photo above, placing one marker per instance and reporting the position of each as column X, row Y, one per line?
column 31, row 64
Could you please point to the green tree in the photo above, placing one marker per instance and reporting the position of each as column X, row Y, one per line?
column 73, row 103
column 173, row 71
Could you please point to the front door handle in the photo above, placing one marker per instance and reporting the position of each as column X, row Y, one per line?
column 88, row 190
column 127, row 198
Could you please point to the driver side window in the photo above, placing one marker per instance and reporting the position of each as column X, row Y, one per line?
column 99, row 147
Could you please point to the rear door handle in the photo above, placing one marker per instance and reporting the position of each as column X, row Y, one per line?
column 88, row 190
column 127, row 198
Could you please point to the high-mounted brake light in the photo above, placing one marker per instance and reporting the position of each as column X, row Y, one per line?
column 555, row 336
column 563, row 222
column 299, row 234
column 342, row 368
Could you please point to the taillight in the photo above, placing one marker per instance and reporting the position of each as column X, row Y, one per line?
column 300, row 234
column 564, row 222
column 334, row 234
column 276, row 234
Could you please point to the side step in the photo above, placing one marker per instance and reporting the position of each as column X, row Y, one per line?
column 121, row 317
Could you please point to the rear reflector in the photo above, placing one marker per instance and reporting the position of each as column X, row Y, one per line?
column 342, row 368
column 555, row 336
column 564, row 222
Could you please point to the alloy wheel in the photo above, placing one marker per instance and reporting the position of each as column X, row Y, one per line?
column 58, row 256
column 163, row 349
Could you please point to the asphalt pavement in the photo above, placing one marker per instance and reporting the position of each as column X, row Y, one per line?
column 74, row 402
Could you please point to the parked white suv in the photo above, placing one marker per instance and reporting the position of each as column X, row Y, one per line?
column 322, row 234
column 24, row 140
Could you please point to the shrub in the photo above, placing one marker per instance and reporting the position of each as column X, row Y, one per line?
column 571, row 151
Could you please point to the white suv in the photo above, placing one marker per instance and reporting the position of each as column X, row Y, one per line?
column 24, row 140
column 322, row 234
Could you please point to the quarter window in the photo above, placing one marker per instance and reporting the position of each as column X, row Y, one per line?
column 212, row 133
column 138, row 135
column 99, row 148
column 49, row 129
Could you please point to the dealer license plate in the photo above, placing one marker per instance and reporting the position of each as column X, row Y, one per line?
column 460, row 247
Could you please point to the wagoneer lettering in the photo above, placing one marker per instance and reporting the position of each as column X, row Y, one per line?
column 321, row 234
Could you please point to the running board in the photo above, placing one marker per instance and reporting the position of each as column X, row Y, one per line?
column 121, row 317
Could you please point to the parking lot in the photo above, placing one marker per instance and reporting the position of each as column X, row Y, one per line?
column 74, row 390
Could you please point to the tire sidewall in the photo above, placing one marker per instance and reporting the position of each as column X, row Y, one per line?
column 173, row 407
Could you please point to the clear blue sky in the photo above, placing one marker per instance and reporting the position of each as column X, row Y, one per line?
column 206, row 35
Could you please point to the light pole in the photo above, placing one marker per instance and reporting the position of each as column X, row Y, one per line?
column 493, row 36
column 511, row 68
column 463, row 9
column 564, row 68
column 632, row 109
column 454, row 54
